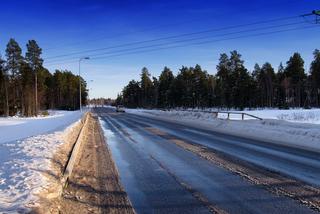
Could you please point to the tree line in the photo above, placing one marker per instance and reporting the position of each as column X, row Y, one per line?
column 233, row 86
column 26, row 86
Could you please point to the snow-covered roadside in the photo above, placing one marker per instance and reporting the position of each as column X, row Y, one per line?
column 15, row 128
column 25, row 163
column 292, row 115
column 296, row 134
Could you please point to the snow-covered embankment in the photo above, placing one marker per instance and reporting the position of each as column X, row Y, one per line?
column 297, row 127
column 27, row 146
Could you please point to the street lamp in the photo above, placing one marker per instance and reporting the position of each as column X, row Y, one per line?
column 82, row 58
column 89, row 93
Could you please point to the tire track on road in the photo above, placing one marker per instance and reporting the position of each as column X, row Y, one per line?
column 272, row 181
column 196, row 200
column 229, row 190
column 201, row 198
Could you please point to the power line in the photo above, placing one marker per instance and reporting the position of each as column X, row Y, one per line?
column 190, row 39
column 176, row 36
column 119, row 35
column 200, row 43
column 219, row 40
column 139, row 31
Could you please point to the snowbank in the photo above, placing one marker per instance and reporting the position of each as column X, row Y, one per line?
column 292, row 115
column 15, row 128
column 273, row 128
column 25, row 163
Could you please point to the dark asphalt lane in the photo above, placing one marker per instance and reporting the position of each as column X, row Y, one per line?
column 161, row 177
column 298, row 163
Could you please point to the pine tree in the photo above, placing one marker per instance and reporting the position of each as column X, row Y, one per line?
column 200, row 86
column 63, row 90
column 185, row 88
column 131, row 95
column 256, row 88
column 281, row 88
column 27, row 83
column 155, row 92
column 266, row 83
column 295, row 72
column 17, row 78
column 33, row 58
column 44, row 80
column 14, row 57
column 33, row 55
column 315, row 76
column 239, row 80
column 166, row 79
column 146, row 88
column 14, row 60
column 223, row 88
column 178, row 91
column 212, row 84
column 232, row 86
column 4, row 104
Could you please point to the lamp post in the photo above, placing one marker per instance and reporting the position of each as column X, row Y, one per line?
column 82, row 58
column 89, row 94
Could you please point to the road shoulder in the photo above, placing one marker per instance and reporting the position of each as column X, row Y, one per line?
column 94, row 185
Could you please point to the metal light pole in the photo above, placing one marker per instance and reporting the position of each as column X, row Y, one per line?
column 82, row 58
column 89, row 96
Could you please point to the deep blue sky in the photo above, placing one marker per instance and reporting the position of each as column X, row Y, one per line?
column 62, row 27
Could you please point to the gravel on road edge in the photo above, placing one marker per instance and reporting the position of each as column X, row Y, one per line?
column 94, row 185
column 272, row 181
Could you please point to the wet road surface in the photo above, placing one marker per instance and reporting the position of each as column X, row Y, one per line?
column 161, row 177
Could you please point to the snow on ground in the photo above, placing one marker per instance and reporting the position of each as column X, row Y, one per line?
column 291, row 115
column 26, row 147
column 297, row 127
column 15, row 128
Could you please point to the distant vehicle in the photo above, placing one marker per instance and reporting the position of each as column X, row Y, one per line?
column 120, row 108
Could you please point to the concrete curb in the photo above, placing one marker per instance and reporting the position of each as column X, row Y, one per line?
column 72, row 157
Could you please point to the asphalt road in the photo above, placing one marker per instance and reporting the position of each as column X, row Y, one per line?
column 161, row 177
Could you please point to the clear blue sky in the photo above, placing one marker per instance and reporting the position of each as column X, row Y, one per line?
column 63, row 27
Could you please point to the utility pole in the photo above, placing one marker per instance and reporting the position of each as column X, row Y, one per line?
column 316, row 14
column 82, row 58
